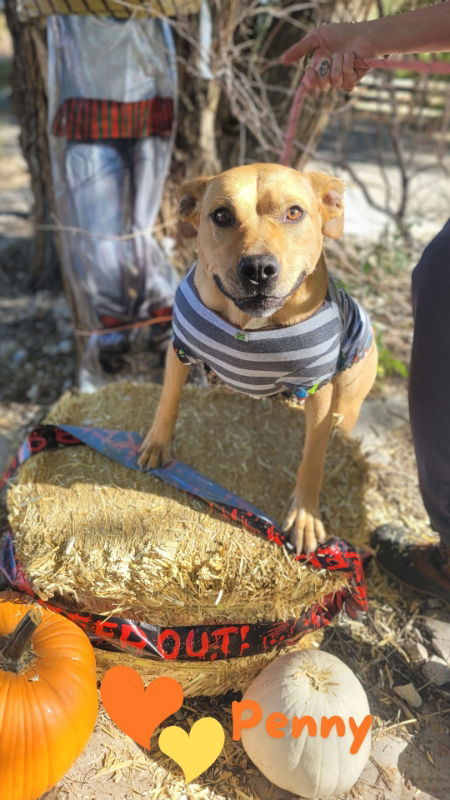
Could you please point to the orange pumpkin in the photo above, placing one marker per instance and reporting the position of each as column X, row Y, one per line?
column 48, row 699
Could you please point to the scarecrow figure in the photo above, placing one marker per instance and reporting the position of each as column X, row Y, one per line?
column 112, row 91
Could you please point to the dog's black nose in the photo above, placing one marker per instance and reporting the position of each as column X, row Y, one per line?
column 258, row 270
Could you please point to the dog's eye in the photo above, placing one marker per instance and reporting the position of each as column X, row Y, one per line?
column 294, row 214
column 222, row 217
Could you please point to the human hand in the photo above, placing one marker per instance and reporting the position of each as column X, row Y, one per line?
column 339, row 50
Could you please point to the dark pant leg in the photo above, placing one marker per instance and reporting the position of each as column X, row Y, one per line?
column 429, row 389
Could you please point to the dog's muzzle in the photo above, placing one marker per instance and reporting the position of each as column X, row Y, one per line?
column 255, row 293
column 258, row 273
column 257, row 279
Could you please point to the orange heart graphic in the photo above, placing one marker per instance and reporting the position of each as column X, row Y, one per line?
column 135, row 710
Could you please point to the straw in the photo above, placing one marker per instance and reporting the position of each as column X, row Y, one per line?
column 107, row 539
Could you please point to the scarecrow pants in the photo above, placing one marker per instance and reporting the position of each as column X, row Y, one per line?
column 429, row 389
column 112, row 186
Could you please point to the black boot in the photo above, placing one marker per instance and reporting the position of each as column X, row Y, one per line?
column 423, row 568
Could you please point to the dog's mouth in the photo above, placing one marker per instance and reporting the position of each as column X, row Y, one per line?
column 259, row 304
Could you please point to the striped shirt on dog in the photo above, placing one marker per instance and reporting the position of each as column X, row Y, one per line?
column 298, row 358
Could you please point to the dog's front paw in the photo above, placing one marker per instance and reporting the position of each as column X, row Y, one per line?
column 304, row 526
column 155, row 449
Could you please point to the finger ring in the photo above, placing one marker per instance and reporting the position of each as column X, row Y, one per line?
column 324, row 68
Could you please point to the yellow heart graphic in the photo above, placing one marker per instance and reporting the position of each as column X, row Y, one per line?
column 195, row 751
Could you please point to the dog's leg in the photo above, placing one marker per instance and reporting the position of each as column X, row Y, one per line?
column 155, row 448
column 303, row 519
column 352, row 386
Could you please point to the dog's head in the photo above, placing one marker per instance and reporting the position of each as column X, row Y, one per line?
column 260, row 230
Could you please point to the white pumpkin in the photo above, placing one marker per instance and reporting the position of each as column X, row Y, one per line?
column 315, row 684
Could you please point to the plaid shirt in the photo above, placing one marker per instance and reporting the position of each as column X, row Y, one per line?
column 81, row 118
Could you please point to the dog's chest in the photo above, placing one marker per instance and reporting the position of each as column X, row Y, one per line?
column 255, row 323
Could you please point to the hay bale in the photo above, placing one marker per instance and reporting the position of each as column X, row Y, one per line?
column 200, row 678
column 108, row 539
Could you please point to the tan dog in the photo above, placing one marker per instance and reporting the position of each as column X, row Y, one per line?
column 261, row 272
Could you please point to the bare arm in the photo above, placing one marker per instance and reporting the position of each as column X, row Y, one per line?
column 423, row 30
column 418, row 31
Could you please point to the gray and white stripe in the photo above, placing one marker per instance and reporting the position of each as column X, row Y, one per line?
column 264, row 361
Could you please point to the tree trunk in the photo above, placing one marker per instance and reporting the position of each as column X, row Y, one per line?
column 29, row 94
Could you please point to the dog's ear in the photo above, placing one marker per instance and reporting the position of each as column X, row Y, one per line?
column 330, row 194
column 191, row 194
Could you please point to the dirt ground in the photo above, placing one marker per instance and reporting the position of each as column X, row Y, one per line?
column 411, row 746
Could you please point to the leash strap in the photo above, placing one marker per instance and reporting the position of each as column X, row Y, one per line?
column 183, row 643
column 415, row 65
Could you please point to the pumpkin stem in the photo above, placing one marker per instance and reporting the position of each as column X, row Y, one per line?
column 21, row 635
